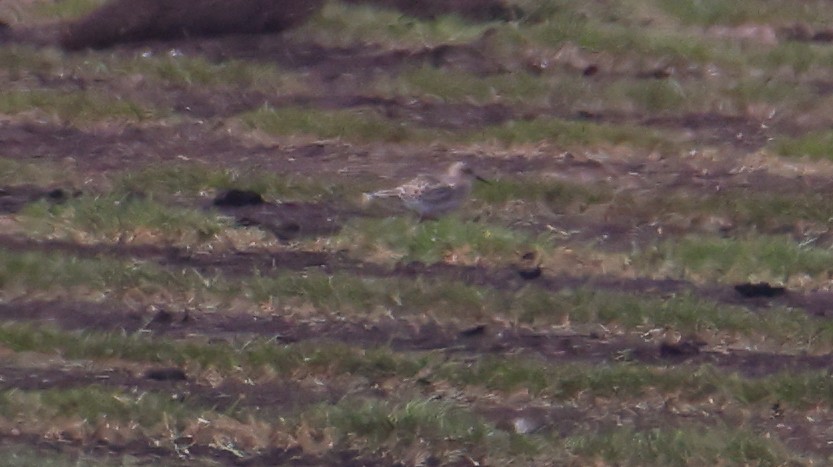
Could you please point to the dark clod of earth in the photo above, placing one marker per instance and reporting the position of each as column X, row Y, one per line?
column 134, row 20
column 122, row 21
column 57, row 195
column 286, row 231
column 474, row 331
column 238, row 198
column 760, row 289
column 14, row 198
column 166, row 374
column 530, row 273
column 777, row 410
column 590, row 70
column 529, row 267
column 679, row 349
column 163, row 317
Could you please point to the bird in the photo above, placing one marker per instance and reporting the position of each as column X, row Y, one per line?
column 433, row 195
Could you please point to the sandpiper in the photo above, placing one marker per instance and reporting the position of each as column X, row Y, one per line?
column 430, row 195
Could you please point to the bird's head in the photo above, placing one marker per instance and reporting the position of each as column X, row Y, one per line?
column 461, row 169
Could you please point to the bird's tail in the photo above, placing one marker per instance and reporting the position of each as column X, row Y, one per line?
column 368, row 197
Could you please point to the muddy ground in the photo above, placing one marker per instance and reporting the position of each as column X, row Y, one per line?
column 105, row 149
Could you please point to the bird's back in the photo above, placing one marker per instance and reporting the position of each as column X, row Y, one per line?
column 438, row 199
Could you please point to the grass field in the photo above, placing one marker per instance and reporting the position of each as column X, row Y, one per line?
column 645, row 156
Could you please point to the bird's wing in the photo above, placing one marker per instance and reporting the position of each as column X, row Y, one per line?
column 438, row 194
column 417, row 185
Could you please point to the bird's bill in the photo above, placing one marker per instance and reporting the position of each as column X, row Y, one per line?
column 486, row 181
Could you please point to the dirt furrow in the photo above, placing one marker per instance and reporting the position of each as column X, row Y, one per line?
column 405, row 335
column 503, row 278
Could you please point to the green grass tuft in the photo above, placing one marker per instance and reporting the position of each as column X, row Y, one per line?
column 119, row 215
column 91, row 403
column 815, row 145
column 570, row 134
column 67, row 9
column 679, row 446
column 14, row 172
column 340, row 25
column 430, row 241
column 455, row 86
column 352, row 125
column 552, row 193
column 196, row 180
column 711, row 12
column 380, row 421
column 76, row 107
column 772, row 258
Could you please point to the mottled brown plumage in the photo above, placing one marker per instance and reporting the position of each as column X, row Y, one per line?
column 431, row 195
